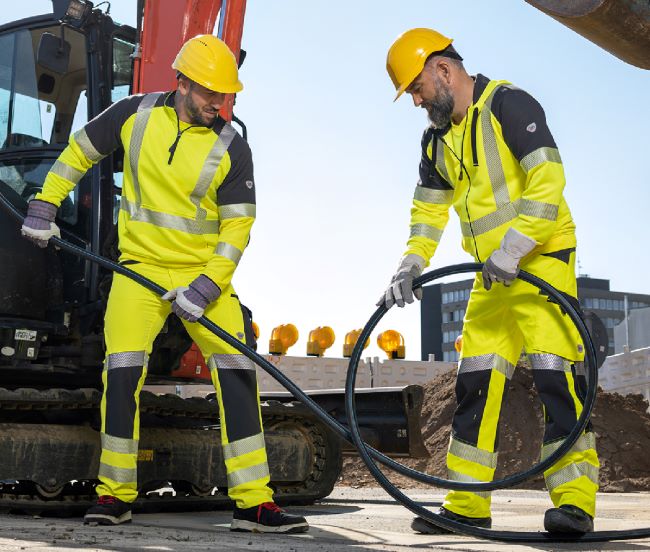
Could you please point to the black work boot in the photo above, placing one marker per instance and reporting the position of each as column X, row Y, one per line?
column 421, row 525
column 568, row 519
column 267, row 518
column 109, row 511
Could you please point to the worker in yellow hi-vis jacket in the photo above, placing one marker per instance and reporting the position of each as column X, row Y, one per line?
column 187, row 207
column 490, row 154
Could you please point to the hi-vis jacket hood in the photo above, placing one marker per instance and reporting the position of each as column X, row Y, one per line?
column 506, row 173
column 188, row 195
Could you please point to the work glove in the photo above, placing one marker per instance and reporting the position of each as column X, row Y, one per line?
column 38, row 226
column 190, row 302
column 503, row 265
column 400, row 290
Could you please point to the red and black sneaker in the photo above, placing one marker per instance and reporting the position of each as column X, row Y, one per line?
column 109, row 510
column 267, row 518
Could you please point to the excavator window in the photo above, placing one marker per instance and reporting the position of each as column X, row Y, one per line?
column 39, row 109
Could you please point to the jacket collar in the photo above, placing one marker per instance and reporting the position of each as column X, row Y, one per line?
column 480, row 82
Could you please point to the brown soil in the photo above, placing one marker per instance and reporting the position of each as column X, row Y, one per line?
column 621, row 424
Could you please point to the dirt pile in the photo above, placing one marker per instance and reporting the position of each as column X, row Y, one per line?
column 621, row 424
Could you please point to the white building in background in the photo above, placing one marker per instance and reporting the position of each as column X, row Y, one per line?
column 633, row 332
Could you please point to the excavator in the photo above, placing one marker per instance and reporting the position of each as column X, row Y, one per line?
column 57, row 71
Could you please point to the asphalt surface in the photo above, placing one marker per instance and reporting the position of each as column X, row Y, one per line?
column 350, row 519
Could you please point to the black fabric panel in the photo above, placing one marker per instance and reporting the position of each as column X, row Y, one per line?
column 120, row 400
column 471, row 395
column 247, row 315
column 523, row 121
column 475, row 117
column 239, row 184
column 563, row 255
column 429, row 176
column 560, row 412
column 239, row 396
column 104, row 130
column 480, row 83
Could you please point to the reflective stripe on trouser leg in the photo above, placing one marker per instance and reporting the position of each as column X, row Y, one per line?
column 480, row 390
column 574, row 478
column 123, row 377
column 235, row 381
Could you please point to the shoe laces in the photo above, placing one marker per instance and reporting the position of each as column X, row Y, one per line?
column 107, row 499
column 271, row 506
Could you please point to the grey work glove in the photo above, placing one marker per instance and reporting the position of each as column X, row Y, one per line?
column 38, row 226
column 400, row 290
column 503, row 265
column 190, row 302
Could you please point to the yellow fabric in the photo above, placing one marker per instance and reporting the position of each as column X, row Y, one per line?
column 137, row 331
column 408, row 54
column 166, row 188
column 207, row 60
column 506, row 320
column 544, row 183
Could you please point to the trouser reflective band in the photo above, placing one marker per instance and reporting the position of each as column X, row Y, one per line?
column 123, row 377
column 235, row 380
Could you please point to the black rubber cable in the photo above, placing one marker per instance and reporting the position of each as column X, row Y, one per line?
column 366, row 452
column 506, row 536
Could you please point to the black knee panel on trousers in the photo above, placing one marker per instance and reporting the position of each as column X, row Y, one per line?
column 471, row 396
column 239, row 396
column 121, row 386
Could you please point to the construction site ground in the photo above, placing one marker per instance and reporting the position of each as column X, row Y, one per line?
column 358, row 519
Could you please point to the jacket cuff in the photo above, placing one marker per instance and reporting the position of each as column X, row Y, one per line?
column 206, row 288
column 42, row 209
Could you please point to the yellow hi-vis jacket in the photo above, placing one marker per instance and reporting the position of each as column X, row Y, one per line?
column 188, row 195
column 512, row 176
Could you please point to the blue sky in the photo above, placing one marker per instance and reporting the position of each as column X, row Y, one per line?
column 336, row 161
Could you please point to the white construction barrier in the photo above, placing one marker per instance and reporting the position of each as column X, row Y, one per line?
column 627, row 373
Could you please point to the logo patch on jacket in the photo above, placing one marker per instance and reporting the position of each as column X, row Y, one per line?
column 532, row 127
column 249, row 184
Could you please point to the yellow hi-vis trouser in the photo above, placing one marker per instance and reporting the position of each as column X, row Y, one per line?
column 134, row 316
column 498, row 324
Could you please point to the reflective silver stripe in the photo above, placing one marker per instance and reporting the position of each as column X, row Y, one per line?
column 537, row 209
column 585, row 442
column 491, row 361
column 121, row 475
column 571, row 473
column 118, row 444
column 228, row 251
column 457, row 476
column 473, row 454
column 173, row 222
column 237, row 210
column 246, row 475
column 86, row 146
column 137, row 135
column 124, row 360
column 539, row 156
column 427, row 195
column 66, row 171
column 440, row 160
column 506, row 213
column 546, row 361
column 492, row 156
column 426, row 231
column 230, row 362
column 580, row 368
column 489, row 222
column 243, row 446
column 210, row 167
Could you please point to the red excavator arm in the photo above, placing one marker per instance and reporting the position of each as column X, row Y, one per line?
column 164, row 25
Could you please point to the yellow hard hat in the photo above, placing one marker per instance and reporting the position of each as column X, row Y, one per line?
column 408, row 54
column 208, row 61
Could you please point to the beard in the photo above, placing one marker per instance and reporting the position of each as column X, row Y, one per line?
column 197, row 116
column 441, row 107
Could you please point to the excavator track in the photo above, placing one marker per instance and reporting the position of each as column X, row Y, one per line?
column 50, row 439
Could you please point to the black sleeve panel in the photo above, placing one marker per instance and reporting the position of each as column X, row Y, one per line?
column 429, row 176
column 104, row 130
column 523, row 122
column 239, row 184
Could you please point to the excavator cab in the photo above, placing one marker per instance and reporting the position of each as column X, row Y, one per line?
column 57, row 71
